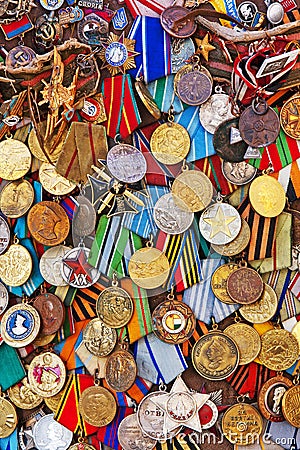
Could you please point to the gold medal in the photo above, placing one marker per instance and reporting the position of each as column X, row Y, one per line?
column 97, row 406
column 238, row 244
column 23, row 396
column 36, row 150
column 47, row 374
column 290, row 406
column 120, row 370
column 53, row 402
column 98, row 338
column 15, row 265
column 170, row 143
column 270, row 397
column 242, row 424
column 219, row 282
column 194, row 188
column 290, row 118
column 263, row 309
column 149, row 268
column 296, row 332
column 20, row 325
column 147, row 99
column 267, row 196
column 16, row 198
column 247, row 340
column 279, row 349
column 53, row 182
column 215, row 356
column 15, row 159
column 8, row 418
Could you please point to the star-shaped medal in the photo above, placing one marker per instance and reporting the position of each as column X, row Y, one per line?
column 76, row 270
column 118, row 54
column 181, row 406
column 79, row 266
column 204, row 47
column 219, row 223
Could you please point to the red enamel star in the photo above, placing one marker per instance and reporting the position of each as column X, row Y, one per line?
column 79, row 265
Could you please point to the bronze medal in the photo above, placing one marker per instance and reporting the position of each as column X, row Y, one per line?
column 290, row 118
column 120, row 370
column 245, row 285
column 97, row 406
column 290, row 406
column 215, row 356
column 52, row 312
column 53, row 402
column 263, row 309
column 47, row 374
column 99, row 339
column 173, row 321
column 16, row 198
column 219, row 282
column 193, row 84
column 114, row 307
column 238, row 244
column 247, row 340
column 48, row 223
column 242, row 424
column 270, row 397
column 259, row 124
column 173, row 13
column 279, row 349
column 228, row 143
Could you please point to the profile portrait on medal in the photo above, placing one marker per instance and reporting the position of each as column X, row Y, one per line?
column 54, row 437
column 46, row 224
column 97, row 407
column 273, row 398
column 218, row 354
column 246, row 11
column 48, row 312
column 19, row 324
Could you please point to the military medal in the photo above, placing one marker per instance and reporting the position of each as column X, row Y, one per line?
column 118, row 53
column 228, row 142
column 97, row 405
column 147, row 99
column 173, row 321
column 149, row 267
column 53, row 402
column 53, row 182
column 290, row 406
column 114, row 306
column 4, row 234
column 47, row 374
column 16, row 198
column 241, row 424
column 15, row 265
column 8, row 419
column 259, row 124
column 120, row 369
column 76, row 270
column 20, row 325
column 214, row 111
column 290, row 117
column 193, row 188
column 194, row 83
column 126, row 163
column 81, row 445
column 247, row 340
column 219, row 282
column 238, row 173
column 48, row 433
column 3, row 298
column 267, row 196
column 50, row 265
column 52, row 312
column 245, row 285
column 238, row 244
column 181, row 51
column 171, row 214
column 173, row 13
column 263, row 309
column 98, row 338
column 131, row 435
column 220, row 223
column 47, row 153
column 279, row 349
column 215, row 356
column 23, row 396
column 15, row 159
column 270, row 397
column 48, row 223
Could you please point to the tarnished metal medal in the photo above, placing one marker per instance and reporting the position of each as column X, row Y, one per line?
column 263, row 309
column 52, row 312
column 173, row 13
column 126, row 163
column 245, row 285
column 97, row 405
column 194, row 86
column 238, row 173
column 279, row 349
column 16, row 198
column 120, row 370
column 172, row 215
column 228, row 142
column 98, row 338
column 216, row 110
column 130, row 435
column 247, row 340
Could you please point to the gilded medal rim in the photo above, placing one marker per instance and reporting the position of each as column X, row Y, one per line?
column 15, row 400
column 272, row 294
column 29, row 267
column 243, row 360
column 262, row 395
column 144, row 282
column 13, row 412
column 228, row 301
column 204, row 180
column 285, row 400
column 282, row 123
column 228, row 249
column 285, row 335
column 103, row 318
column 110, row 413
column 35, row 330
column 147, row 99
column 255, row 189
column 113, row 340
column 28, row 206
column 3, row 144
column 34, row 384
column 228, row 412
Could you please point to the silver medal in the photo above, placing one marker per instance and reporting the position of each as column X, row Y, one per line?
column 130, row 435
column 50, row 265
column 4, row 235
column 84, row 220
column 48, row 434
column 3, row 298
column 126, row 163
column 238, row 173
column 216, row 110
column 171, row 215
column 220, row 223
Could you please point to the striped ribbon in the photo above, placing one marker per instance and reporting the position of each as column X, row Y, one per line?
column 17, row 27
column 66, row 348
column 67, row 413
column 289, row 178
column 109, row 435
column 157, row 173
column 294, row 285
column 201, row 299
column 181, row 442
column 201, row 140
column 120, row 106
column 158, row 361
column 263, row 229
column 250, row 378
column 150, row 64
column 151, row 8
column 162, row 90
column 212, row 167
column 69, row 204
column 67, row 328
column 285, row 433
column 200, row 330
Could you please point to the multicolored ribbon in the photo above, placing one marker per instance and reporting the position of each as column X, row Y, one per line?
column 162, row 90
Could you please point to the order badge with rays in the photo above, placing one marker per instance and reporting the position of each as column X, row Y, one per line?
column 118, row 54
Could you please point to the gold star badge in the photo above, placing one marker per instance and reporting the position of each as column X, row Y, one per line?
column 219, row 223
column 204, row 47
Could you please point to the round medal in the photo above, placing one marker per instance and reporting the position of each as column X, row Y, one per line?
column 173, row 13
column 279, row 349
column 267, row 196
column 270, row 397
column 245, row 286
column 228, row 142
column 23, row 396
column 91, row 110
column 290, row 406
column 50, row 265
column 51, row 5
column 242, row 424
column 208, row 414
column 215, row 356
column 48, row 223
column 48, row 433
column 171, row 214
column 238, row 173
column 15, row 265
column 8, row 418
column 263, row 309
column 84, row 220
column 219, row 282
column 296, row 332
column 220, row 223
column 15, row 159
column 194, row 188
column 126, row 163
column 114, row 307
column 120, row 371
column 47, row 374
column 3, row 298
column 246, row 11
column 81, row 446
column 39, row 153
column 259, row 125
column 275, row 13
column 99, row 339
column 238, row 244
column 16, row 198
column 53, row 402
column 290, row 117
column 131, row 436
column 76, row 270
column 20, row 325
column 52, row 312
column 194, row 88
column 4, row 235
column 170, row 143
column 214, row 111
column 173, row 322
column 149, row 268
column 247, row 340
column 53, row 182
column 97, row 406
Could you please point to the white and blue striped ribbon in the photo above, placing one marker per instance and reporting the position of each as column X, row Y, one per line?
column 158, row 361
column 201, row 299
column 287, row 436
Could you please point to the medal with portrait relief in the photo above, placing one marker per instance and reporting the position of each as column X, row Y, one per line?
column 47, row 374
column 50, row 434
column 20, row 325
column 97, row 405
column 270, row 397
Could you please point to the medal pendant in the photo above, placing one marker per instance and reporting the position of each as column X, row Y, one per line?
column 23, row 396
column 238, row 244
column 75, row 269
column 4, row 234
column 47, row 374
column 245, row 285
column 97, row 406
column 242, row 424
column 15, row 159
column 214, row 111
column 50, row 434
column 120, row 370
column 219, row 282
column 173, row 13
column 267, row 196
column 220, row 223
column 130, row 435
column 270, row 397
column 170, row 143
column 247, row 340
column 15, row 265
column 118, row 53
column 81, row 445
column 20, row 325
column 263, row 309
column 171, row 214
column 53, row 182
column 194, row 84
column 238, row 173
column 149, row 268
column 228, row 143
column 50, row 265
column 147, row 99
column 279, row 349
column 8, row 418
column 194, row 189
column 290, row 117
column 16, row 198
column 290, row 406
column 98, row 338
column 126, row 163
column 52, row 312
